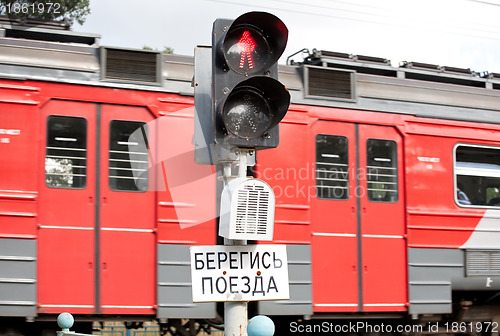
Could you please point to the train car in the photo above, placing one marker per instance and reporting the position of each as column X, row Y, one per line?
column 389, row 178
column 386, row 179
column 77, row 232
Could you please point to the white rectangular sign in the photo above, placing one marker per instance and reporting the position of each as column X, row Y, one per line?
column 239, row 273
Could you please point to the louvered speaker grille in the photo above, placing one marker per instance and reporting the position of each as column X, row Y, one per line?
column 483, row 262
column 252, row 210
column 131, row 65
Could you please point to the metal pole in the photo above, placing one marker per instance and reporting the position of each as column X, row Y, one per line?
column 236, row 312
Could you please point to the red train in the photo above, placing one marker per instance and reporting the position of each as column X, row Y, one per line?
column 387, row 183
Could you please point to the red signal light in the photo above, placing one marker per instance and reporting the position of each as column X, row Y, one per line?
column 252, row 44
column 247, row 46
column 246, row 51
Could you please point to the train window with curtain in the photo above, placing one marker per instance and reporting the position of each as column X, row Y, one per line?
column 128, row 156
column 477, row 176
column 332, row 167
column 66, row 152
column 382, row 170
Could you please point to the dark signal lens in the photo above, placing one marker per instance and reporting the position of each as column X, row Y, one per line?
column 246, row 51
column 247, row 113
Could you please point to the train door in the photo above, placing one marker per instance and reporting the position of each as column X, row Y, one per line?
column 96, row 236
column 127, row 218
column 333, row 214
column 382, row 216
column 67, row 213
column 358, row 244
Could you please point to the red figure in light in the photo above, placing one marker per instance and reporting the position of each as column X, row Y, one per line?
column 247, row 45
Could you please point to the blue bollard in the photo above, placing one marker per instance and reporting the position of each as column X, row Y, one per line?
column 65, row 321
column 260, row 325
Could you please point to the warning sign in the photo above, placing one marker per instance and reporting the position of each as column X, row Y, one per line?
column 239, row 273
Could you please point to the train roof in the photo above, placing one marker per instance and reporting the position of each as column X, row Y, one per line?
column 51, row 52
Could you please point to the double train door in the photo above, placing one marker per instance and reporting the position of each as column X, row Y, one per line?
column 96, row 242
column 358, row 239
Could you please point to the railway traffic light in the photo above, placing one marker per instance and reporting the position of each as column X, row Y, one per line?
column 248, row 101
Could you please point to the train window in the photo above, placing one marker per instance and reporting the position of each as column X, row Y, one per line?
column 382, row 170
column 477, row 176
column 128, row 156
column 66, row 152
column 332, row 167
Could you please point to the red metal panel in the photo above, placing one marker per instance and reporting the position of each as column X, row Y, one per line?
column 292, row 224
column 289, row 173
column 335, row 216
column 429, row 161
column 127, row 225
column 123, row 209
column 434, row 220
column 19, row 122
column 379, row 217
column 335, row 272
column 18, row 136
column 66, row 227
column 18, row 212
column 384, row 274
column 127, row 272
column 66, row 273
column 186, row 202
column 427, row 228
